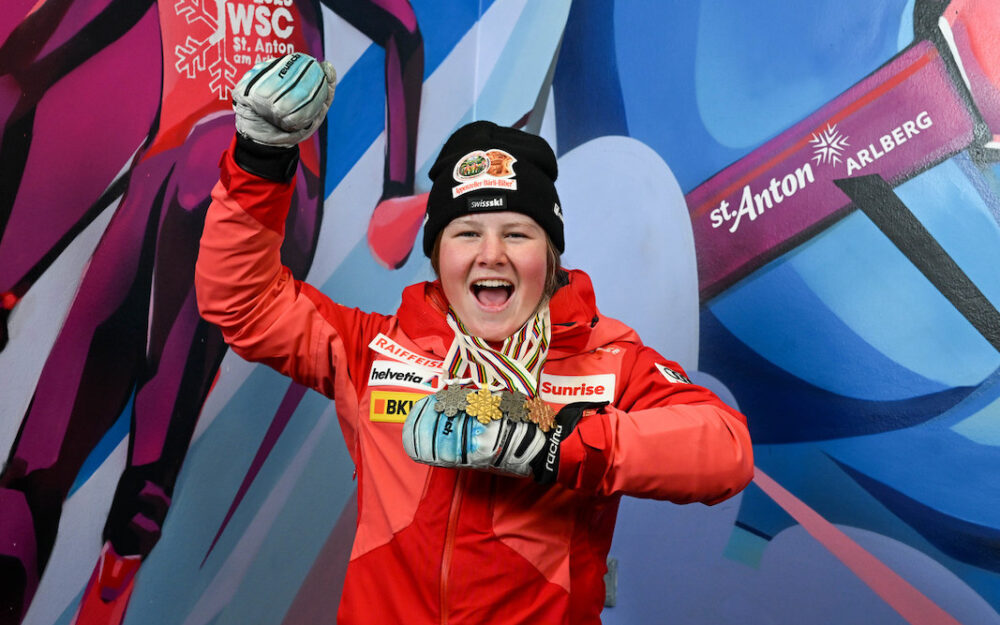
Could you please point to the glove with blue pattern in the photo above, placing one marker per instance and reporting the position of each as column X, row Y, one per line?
column 461, row 441
column 281, row 102
column 502, row 446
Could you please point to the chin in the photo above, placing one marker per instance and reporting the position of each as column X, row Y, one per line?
column 493, row 333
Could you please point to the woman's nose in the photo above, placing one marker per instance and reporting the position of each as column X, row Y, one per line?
column 492, row 251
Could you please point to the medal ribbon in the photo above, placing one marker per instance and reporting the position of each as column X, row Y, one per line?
column 515, row 366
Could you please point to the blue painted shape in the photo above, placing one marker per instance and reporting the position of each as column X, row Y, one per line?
column 953, row 210
column 779, row 316
column 443, row 24
column 985, row 180
column 905, row 34
column 881, row 296
column 238, row 430
column 588, row 96
column 111, row 439
column 940, row 444
column 511, row 85
column 967, row 541
column 760, row 516
column 933, row 479
column 774, row 73
column 351, row 284
column 737, row 73
column 782, row 408
column 657, row 92
column 357, row 114
column 982, row 427
column 307, row 518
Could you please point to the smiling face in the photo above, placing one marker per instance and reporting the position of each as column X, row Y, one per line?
column 493, row 269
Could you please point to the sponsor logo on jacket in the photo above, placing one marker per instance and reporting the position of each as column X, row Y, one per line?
column 566, row 389
column 388, row 347
column 391, row 373
column 674, row 377
column 390, row 406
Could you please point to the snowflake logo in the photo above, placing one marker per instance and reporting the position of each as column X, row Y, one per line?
column 196, row 56
column 828, row 145
column 484, row 406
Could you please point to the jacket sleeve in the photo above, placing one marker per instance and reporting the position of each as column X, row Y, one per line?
column 264, row 313
column 664, row 439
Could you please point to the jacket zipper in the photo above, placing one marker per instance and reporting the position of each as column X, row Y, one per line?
column 449, row 543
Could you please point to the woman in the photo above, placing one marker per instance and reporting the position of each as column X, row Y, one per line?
column 524, row 413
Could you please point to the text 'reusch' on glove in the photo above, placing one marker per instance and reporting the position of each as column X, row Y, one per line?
column 281, row 102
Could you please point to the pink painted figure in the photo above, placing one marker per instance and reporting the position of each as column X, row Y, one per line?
column 132, row 330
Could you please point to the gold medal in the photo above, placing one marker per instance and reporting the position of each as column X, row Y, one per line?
column 483, row 406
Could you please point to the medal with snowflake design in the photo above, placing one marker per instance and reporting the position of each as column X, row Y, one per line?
column 512, row 405
column 540, row 413
column 483, row 406
column 451, row 400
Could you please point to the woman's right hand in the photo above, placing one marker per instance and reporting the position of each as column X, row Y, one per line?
column 282, row 102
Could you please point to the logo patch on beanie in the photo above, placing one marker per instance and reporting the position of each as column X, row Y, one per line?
column 489, row 203
column 484, row 169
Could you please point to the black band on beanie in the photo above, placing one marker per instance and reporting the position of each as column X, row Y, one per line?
column 485, row 167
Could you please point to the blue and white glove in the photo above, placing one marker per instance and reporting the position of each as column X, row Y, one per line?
column 281, row 102
column 502, row 446
column 461, row 441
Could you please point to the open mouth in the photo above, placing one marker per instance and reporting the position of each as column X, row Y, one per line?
column 492, row 293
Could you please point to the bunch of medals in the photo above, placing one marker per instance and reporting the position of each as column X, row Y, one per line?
column 486, row 406
column 514, row 367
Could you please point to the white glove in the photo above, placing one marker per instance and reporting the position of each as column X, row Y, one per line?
column 502, row 446
column 281, row 102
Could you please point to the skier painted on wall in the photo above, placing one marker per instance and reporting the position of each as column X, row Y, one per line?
column 132, row 337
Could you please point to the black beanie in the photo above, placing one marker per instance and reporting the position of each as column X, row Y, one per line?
column 484, row 167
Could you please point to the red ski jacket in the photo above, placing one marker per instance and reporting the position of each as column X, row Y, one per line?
column 439, row 545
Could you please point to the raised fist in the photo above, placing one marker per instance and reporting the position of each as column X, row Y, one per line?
column 281, row 102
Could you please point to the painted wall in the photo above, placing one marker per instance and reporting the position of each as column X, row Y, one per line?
column 798, row 202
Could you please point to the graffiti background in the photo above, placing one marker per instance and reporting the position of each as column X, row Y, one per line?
column 800, row 204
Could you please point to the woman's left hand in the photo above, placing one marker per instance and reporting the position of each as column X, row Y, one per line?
column 462, row 441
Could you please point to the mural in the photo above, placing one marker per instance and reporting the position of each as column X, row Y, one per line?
column 805, row 202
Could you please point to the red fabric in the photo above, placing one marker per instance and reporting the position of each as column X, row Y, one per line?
column 260, row 198
column 479, row 547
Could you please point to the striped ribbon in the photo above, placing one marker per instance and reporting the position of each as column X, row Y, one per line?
column 516, row 366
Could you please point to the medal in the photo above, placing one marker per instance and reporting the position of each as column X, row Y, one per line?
column 540, row 413
column 487, row 406
column 483, row 405
column 450, row 400
column 512, row 405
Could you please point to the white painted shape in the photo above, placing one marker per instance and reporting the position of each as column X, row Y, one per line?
column 233, row 372
column 78, row 544
column 35, row 322
column 627, row 225
column 343, row 44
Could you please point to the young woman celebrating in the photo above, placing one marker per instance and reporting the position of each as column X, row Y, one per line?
column 497, row 418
